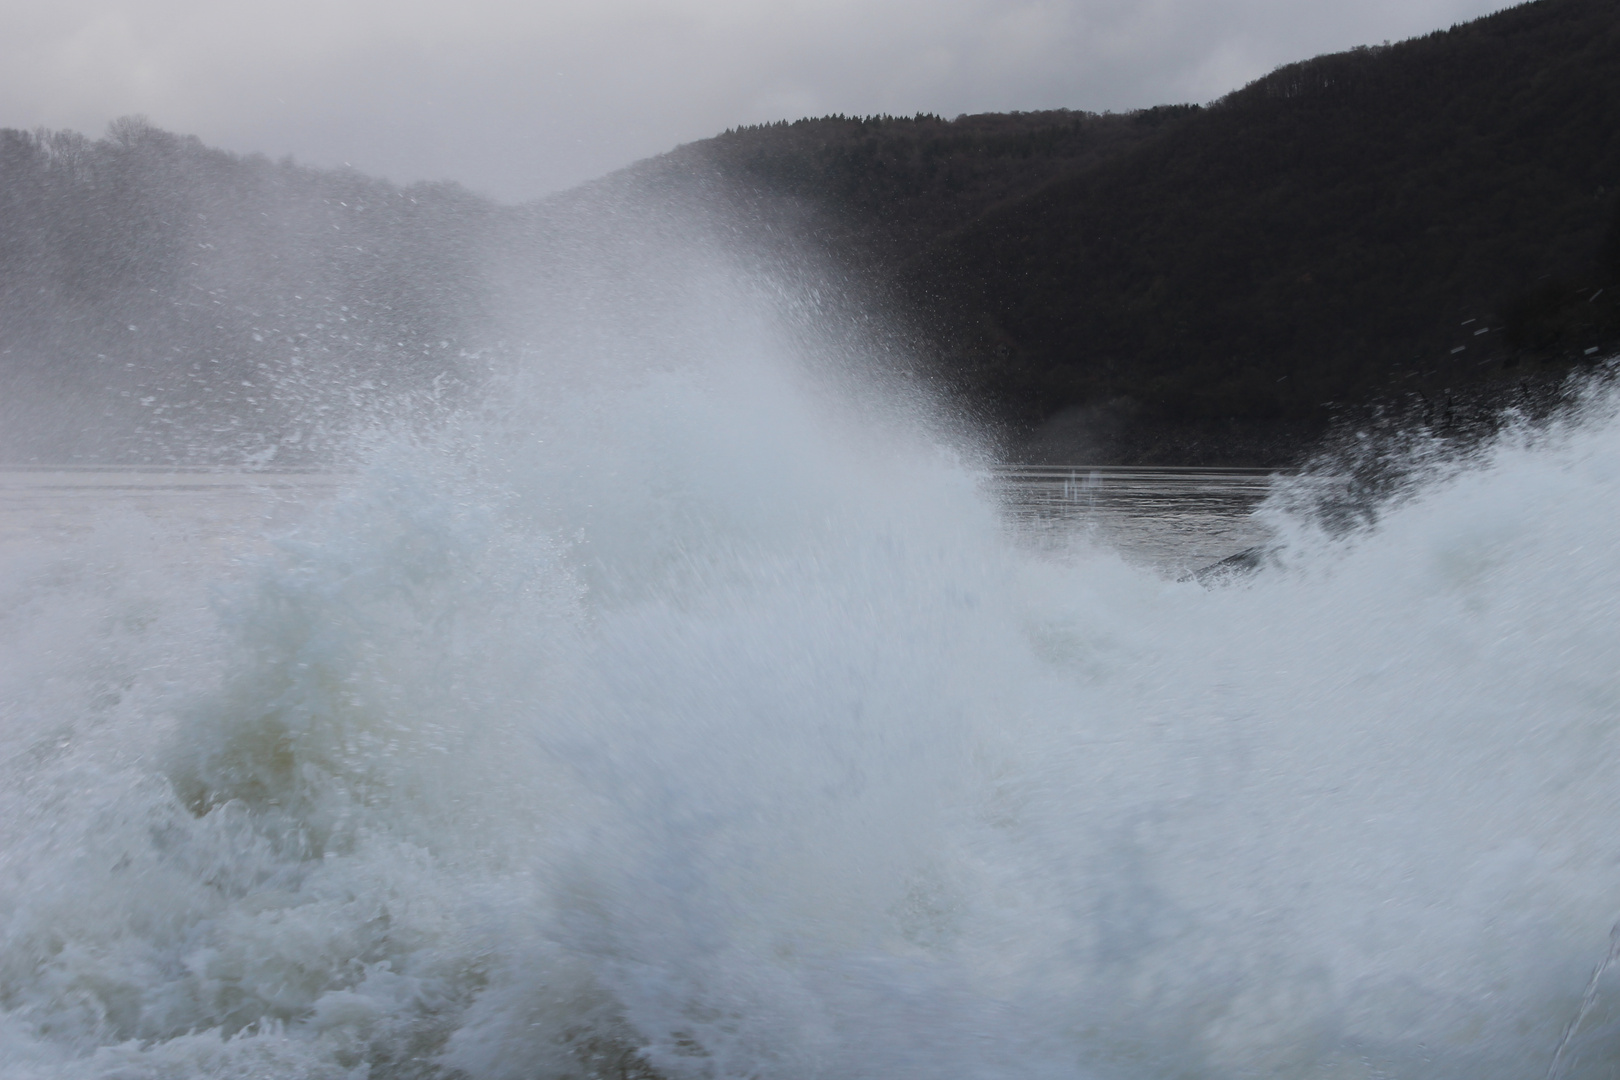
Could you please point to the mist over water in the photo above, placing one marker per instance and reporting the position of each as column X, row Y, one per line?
column 682, row 706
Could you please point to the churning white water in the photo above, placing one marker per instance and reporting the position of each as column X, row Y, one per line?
column 690, row 728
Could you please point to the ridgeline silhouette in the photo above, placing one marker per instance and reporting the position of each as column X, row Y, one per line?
column 1432, row 225
column 1437, row 220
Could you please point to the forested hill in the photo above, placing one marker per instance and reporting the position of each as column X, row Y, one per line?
column 1435, row 222
column 1423, row 220
column 884, row 188
column 1429, row 216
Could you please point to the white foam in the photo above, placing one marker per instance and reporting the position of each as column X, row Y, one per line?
column 676, row 722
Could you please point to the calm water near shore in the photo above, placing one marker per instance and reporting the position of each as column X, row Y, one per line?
column 1170, row 518
column 211, row 507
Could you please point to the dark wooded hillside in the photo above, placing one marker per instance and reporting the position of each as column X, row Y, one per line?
column 1425, row 218
column 1349, row 226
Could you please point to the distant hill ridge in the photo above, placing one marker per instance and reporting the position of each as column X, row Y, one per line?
column 1427, row 218
column 1436, row 221
column 167, row 303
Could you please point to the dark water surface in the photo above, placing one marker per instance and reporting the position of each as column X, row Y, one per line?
column 1172, row 518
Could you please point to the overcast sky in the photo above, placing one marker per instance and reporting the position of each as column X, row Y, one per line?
column 516, row 99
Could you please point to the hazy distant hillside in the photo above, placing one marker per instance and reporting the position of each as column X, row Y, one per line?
column 162, row 301
column 1436, row 221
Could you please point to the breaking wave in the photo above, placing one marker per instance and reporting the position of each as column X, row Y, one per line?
column 692, row 724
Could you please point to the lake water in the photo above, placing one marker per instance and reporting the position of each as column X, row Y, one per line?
column 56, row 505
column 1174, row 519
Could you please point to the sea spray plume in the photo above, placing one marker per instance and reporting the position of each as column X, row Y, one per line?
column 661, row 716
column 165, row 303
column 674, row 248
column 312, row 936
column 1371, row 464
column 708, row 500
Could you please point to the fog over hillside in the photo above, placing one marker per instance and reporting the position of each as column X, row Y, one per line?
column 1431, row 227
column 163, row 302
